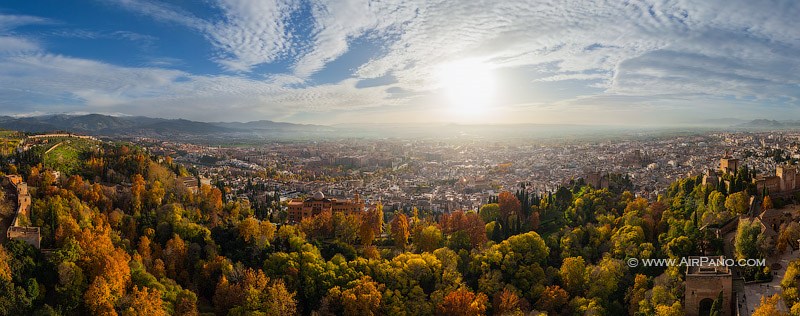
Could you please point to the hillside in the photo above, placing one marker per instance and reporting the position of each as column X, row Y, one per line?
column 68, row 155
column 141, row 239
column 9, row 140
column 121, row 126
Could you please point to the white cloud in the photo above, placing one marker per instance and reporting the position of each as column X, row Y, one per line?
column 338, row 22
column 11, row 43
column 85, row 85
column 659, row 49
column 252, row 32
column 14, row 45
column 644, row 55
column 163, row 12
column 9, row 21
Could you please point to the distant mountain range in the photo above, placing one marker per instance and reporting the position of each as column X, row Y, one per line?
column 133, row 126
column 769, row 124
column 105, row 125
column 230, row 132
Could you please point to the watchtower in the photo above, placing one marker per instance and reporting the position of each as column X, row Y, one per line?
column 704, row 282
column 728, row 164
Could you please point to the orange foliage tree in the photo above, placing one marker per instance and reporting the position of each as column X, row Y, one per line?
column 144, row 302
column 553, row 299
column 463, row 302
column 470, row 223
column 507, row 302
column 510, row 210
column 400, row 231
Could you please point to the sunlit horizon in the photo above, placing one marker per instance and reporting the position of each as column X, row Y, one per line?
column 350, row 62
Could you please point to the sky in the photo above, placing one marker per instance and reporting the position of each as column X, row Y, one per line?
column 613, row 62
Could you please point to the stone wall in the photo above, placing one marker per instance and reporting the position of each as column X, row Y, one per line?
column 30, row 235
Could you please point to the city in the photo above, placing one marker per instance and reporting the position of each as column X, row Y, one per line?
column 400, row 157
column 461, row 175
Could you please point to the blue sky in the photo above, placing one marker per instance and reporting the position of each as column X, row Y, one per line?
column 653, row 62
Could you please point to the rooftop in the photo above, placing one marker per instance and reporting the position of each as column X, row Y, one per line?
column 707, row 266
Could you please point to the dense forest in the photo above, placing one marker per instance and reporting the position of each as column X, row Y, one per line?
column 120, row 236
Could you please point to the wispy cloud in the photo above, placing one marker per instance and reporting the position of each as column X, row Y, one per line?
column 338, row 23
column 11, row 43
column 248, row 33
column 251, row 33
column 80, row 85
column 11, row 21
column 647, row 55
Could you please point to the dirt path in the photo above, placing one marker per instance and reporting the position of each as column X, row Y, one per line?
column 51, row 148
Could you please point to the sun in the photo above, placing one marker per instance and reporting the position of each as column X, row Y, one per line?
column 468, row 85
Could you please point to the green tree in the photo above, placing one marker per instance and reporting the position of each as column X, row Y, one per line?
column 429, row 238
column 746, row 242
column 738, row 203
column 489, row 212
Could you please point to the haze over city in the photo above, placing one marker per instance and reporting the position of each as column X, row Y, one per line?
column 330, row 62
column 400, row 157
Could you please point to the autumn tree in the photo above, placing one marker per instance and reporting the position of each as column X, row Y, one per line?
column 428, row 238
column 5, row 269
column 137, row 193
column 320, row 226
column 186, row 304
column 767, row 203
column 253, row 292
column 400, row 230
column 98, row 298
column 144, row 302
column 346, row 227
column 510, row 210
column 637, row 293
column 363, row 297
column 769, row 306
column 604, row 278
column 553, row 299
column 467, row 225
column 534, row 220
column 789, row 283
column 670, row 310
column 371, row 225
column 259, row 233
column 573, row 272
column 155, row 195
column 211, row 204
column 463, row 302
column 277, row 300
column 789, row 234
column 145, row 251
column 517, row 261
column 174, row 255
column 507, row 303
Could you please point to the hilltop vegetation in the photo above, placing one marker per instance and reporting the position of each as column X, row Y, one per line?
column 142, row 244
column 9, row 140
column 68, row 155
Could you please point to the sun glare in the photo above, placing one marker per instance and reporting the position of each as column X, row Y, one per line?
column 468, row 85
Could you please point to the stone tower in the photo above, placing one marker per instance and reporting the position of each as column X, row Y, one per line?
column 787, row 174
column 704, row 282
column 728, row 164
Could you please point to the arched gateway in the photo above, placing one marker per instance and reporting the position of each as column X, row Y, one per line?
column 704, row 282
